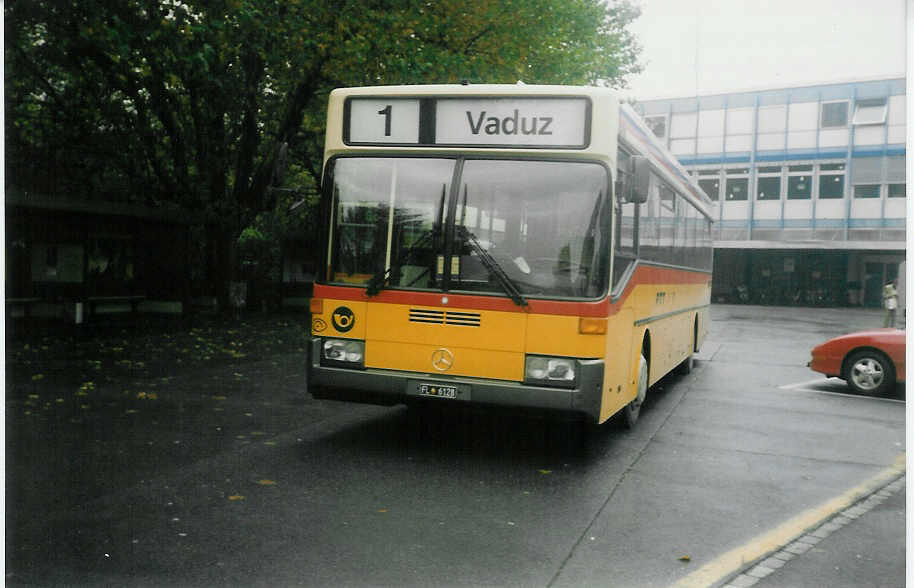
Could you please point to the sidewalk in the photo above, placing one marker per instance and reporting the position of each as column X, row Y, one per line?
column 858, row 547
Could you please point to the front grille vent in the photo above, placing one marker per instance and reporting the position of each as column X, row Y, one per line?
column 441, row 317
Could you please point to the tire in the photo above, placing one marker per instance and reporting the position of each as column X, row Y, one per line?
column 685, row 368
column 869, row 372
column 632, row 410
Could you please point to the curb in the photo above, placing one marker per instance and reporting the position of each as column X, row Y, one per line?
column 778, row 559
column 724, row 570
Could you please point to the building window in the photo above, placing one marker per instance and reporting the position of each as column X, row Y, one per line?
column 57, row 262
column 834, row 114
column 737, row 184
column 769, row 188
column 831, row 181
column 870, row 112
column 799, row 182
column 709, row 181
column 866, row 191
column 896, row 190
column 711, row 187
column 657, row 124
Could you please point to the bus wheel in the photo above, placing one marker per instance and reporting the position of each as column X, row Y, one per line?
column 632, row 410
column 687, row 364
column 685, row 367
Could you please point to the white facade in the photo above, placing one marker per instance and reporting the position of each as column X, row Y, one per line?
column 809, row 185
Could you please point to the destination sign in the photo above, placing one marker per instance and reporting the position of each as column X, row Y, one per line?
column 384, row 120
column 543, row 122
column 539, row 122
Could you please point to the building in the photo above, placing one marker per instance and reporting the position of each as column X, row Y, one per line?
column 73, row 260
column 809, row 184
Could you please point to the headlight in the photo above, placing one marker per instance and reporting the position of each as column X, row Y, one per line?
column 551, row 371
column 343, row 352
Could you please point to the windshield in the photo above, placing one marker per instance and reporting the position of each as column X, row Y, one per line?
column 530, row 227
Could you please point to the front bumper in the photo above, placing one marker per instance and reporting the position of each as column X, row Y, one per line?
column 389, row 387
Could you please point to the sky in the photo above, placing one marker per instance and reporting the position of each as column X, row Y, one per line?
column 744, row 45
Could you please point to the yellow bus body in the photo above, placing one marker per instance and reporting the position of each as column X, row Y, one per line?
column 662, row 311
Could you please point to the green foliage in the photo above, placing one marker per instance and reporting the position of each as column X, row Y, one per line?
column 200, row 103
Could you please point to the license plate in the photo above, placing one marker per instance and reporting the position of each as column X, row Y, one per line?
column 437, row 390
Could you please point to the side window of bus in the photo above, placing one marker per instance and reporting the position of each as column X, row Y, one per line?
column 668, row 219
column 692, row 258
column 682, row 232
column 706, row 243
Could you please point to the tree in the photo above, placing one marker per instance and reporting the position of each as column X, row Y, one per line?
column 202, row 103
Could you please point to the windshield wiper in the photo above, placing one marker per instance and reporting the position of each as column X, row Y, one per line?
column 493, row 266
column 379, row 280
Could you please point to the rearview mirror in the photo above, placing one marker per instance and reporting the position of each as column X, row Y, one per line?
column 641, row 178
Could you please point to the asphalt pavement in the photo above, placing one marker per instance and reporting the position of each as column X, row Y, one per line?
column 187, row 455
column 858, row 547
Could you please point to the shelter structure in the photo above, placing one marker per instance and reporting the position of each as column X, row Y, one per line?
column 78, row 259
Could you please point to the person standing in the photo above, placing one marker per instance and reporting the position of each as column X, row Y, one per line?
column 889, row 302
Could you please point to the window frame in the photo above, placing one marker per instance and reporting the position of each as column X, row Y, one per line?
column 811, row 173
column 868, row 185
column 647, row 120
column 824, row 105
column 760, row 175
column 823, row 173
column 904, row 190
column 713, row 174
column 870, row 103
column 736, row 174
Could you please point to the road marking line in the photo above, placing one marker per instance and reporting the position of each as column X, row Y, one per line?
column 801, row 386
column 784, row 534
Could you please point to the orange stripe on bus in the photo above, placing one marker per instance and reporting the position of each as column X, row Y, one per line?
column 644, row 274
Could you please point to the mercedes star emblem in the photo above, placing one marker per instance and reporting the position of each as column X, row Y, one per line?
column 442, row 359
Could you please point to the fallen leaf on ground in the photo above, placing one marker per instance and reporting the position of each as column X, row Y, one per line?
column 236, row 497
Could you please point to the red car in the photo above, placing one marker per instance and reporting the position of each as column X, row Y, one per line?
column 871, row 362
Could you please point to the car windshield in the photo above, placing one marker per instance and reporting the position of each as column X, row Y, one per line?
column 533, row 228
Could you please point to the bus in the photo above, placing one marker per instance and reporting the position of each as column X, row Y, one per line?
column 524, row 246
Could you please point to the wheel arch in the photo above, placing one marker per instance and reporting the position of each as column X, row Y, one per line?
column 646, row 347
column 695, row 334
column 845, row 361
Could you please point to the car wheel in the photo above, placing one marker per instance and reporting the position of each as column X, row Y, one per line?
column 632, row 410
column 869, row 372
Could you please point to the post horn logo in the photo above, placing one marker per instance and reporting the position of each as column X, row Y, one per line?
column 442, row 359
column 318, row 325
column 342, row 319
